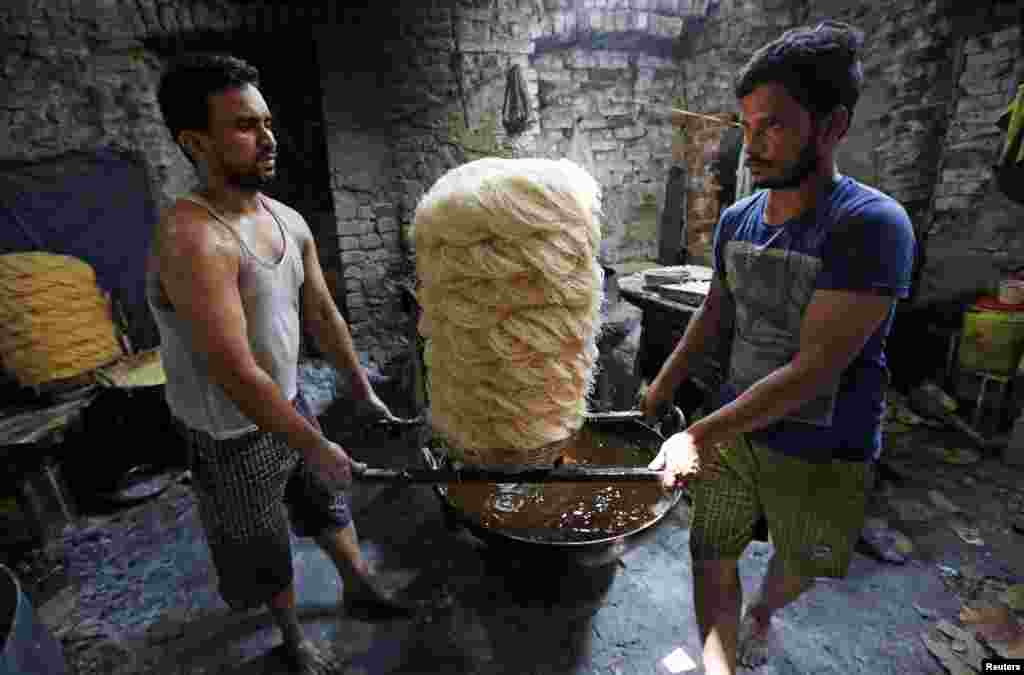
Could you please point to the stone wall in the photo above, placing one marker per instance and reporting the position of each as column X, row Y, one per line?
column 608, row 74
column 697, row 144
column 600, row 74
column 599, row 105
column 82, row 77
column 712, row 51
column 605, row 110
column 430, row 98
column 394, row 119
column 357, row 102
column 909, row 86
column 976, row 230
column 445, row 82
column 77, row 78
column 450, row 91
column 937, row 75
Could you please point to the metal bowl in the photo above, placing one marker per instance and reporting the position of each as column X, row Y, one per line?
column 522, row 545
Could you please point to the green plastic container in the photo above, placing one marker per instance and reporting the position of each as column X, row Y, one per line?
column 992, row 339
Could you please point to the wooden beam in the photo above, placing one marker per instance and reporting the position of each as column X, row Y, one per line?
column 679, row 118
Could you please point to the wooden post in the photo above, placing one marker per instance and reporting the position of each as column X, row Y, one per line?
column 672, row 228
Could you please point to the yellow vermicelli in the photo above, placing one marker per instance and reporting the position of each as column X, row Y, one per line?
column 55, row 322
column 510, row 287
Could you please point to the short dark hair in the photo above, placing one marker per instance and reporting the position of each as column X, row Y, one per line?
column 820, row 67
column 186, row 87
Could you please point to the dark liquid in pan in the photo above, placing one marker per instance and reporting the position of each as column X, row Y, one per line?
column 593, row 509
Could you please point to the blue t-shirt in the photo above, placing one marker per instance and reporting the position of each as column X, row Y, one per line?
column 856, row 239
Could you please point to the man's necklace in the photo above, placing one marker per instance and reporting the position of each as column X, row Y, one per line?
column 758, row 249
column 768, row 243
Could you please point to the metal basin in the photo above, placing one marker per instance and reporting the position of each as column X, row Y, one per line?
column 28, row 647
column 549, row 545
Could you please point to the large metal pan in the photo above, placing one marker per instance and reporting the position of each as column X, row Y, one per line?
column 436, row 472
column 567, row 546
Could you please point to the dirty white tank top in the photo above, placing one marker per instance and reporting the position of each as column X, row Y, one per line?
column 270, row 300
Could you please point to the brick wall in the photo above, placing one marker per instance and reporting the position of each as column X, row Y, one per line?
column 697, row 145
column 357, row 102
column 912, row 59
column 937, row 75
column 77, row 77
column 82, row 77
column 427, row 98
column 600, row 106
column 605, row 110
column 607, row 78
column 976, row 230
column 449, row 66
column 713, row 49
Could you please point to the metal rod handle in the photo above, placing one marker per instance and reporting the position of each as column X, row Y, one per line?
column 513, row 473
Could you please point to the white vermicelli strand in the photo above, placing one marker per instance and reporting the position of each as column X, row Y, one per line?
column 511, row 290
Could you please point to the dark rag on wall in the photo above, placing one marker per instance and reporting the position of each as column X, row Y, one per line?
column 515, row 112
column 94, row 206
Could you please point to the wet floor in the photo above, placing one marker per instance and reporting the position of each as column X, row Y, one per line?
column 141, row 598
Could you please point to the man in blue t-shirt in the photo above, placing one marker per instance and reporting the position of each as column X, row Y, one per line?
column 810, row 267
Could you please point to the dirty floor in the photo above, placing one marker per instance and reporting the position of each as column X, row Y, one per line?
column 134, row 592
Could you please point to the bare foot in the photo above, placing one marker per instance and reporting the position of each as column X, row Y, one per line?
column 992, row 623
column 752, row 646
column 305, row 658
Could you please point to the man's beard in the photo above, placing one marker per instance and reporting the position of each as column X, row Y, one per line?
column 806, row 163
column 253, row 181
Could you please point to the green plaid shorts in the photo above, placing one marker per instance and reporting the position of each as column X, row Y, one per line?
column 814, row 510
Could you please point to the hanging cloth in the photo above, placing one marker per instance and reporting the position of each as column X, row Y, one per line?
column 515, row 112
column 1009, row 171
column 744, row 186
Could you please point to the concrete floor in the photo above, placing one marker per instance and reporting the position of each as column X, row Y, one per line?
column 141, row 597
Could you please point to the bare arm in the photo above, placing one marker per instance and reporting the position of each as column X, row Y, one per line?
column 324, row 322
column 199, row 271
column 835, row 328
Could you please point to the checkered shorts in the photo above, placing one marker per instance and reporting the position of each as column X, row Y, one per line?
column 248, row 489
column 814, row 511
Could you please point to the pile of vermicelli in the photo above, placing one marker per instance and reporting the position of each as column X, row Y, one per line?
column 55, row 322
column 510, row 288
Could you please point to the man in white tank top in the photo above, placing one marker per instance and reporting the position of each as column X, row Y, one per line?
column 230, row 270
